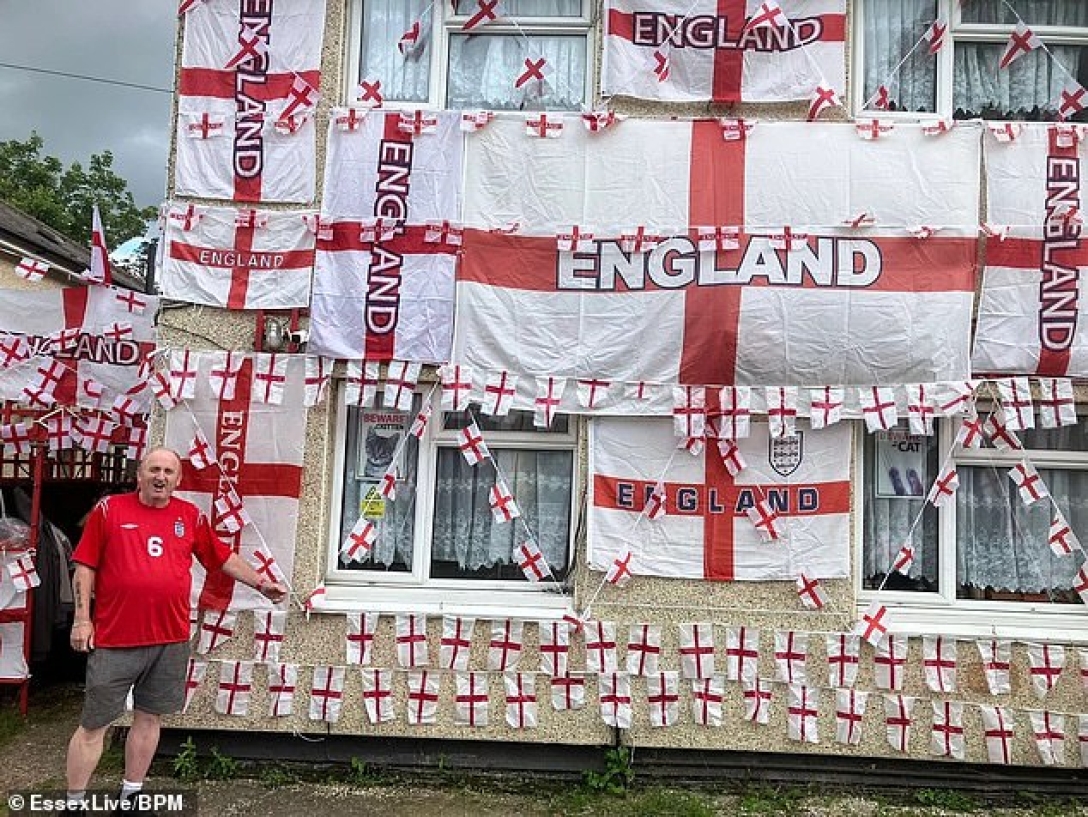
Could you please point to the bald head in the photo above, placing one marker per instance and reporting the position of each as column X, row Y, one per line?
column 158, row 476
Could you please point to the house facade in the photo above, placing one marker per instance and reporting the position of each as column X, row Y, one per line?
column 673, row 375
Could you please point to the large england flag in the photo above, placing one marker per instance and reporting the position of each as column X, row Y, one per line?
column 723, row 50
column 97, row 337
column 780, row 293
column 706, row 532
column 258, row 449
column 238, row 259
column 247, row 91
column 389, row 237
column 1029, row 315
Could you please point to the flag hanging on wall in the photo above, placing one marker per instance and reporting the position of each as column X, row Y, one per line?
column 723, row 50
column 773, row 301
column 706, row 532
column 247, row 91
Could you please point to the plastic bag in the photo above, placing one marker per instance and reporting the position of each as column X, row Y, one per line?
column 14, row 534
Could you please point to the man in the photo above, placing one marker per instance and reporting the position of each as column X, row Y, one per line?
column 135, row 558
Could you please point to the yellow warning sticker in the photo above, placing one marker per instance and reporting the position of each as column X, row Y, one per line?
column 372, row 506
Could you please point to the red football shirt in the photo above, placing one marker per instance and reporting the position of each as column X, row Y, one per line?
column 142, row 558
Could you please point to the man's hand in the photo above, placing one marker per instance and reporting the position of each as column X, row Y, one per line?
column 273, row 591
column 82, row 636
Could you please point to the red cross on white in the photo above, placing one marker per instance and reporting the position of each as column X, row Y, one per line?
column 766, row 520
column 1046, row 662
column 790, row 656
column 327, row 693
column 200, row 454
column 422, row 697
column 223, row 374
column 943, row 490
column 443, row 232
column 597, row 121
column 457, row 386
column 235, row 686
column 387, row 487
column 937, row 127
column 663, row 698
column 13, row 349
column 718, row 238
column 997, row 431
column 136, row 442
column 619, row 572
column 1048, row 730
column 873, row 625
column 302, row 99
column 1080, row 583
column 282, row 683
column 803, row 712
column 939, row 663
column 410, row 42
column 369, row 92
column 530, row 558
column 920, row 409
column 696, row 650
column 735, row 130
column 656, row 502
column 411, row 640
column 593, row 393
column 638, row 240
column 499, row 392
column 253, row 46
column 100, row 271
column 735, row 402
column 1028, row 482
column 316, row 383
column 825, row 406
column 422, row 419
column 1022, row 41
column 615, row 699
column 486, row 11
column 269, row 627
column 23, row 573
column 362, row 383
column 768, row 14
column 643, row 649
column 160, row 387
column 1073, row 99
column 741, row 653
column 878, row 407
column 998, row 730
column 472, row 699
column 757, row 700
column 554, row 639
column 455, row 647
column 707, row 696
column 662, row 65
column 1005, row 132
column 400, row 383
column 348, row 119
column 889, row 662
column 781, row 411
column 956, row 397
column 126, row 410
column 194, row 677
column 216, row 628
column 1015, row 396
column 1060, row 537
column 417, row 123
column 378, row 695
column 870, row 130
column 315, row 600
column 1056, row 404
column 898, row 720
column 231, row 511
column 600, row 644
column 183, row 373
column 549, row 394
column 789, row 240
column 574, row 240
column 935, row 35
column 810, row 592
column 359, row 641
column 471, row 443
column 822, row 98
column 568, row 692
column 543, row 126
column 689, row 411
column 946, row 735
column 359, row 541
column 58, row 432
column 843, row 656
column 504, row 648
column 204, row 126
column 473, row 121
column 849, row 711
column 31, row 269
column 520, row 699
column 94, row 434
column 971, row 433
column 882, row 101
column 731, row 455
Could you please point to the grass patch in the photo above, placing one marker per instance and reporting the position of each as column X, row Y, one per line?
column 947, row 800
column 765, row 799
column 12, row 724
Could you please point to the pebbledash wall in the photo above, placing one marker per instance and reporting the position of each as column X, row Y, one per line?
column 319, row 639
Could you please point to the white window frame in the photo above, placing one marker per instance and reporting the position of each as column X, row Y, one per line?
column 444, row 24
column 941, row 613
column 957, row 31
column 416, row 592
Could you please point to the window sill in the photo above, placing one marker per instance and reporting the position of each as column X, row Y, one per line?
column 478, row 603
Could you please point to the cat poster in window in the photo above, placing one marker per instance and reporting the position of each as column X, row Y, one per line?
column 900, row 465
column 382, row 432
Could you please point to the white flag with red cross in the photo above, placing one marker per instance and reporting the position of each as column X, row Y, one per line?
column 757, row 700
column 362, row 629
column 282, row 683
column 947, row 735
column 194, row 677
column 411, row 640
column 803, row 480
column 614, row 697
column 600, row 646
column 843, row 657
column 530, row 558
column 907, row 318
column 790, row 656
column 1060, row 536
column 733, row 51
column 803, row 711
column 849, row 712
column 23, row 573
column 741, row 653
column 327, row 693
column 506, row 644
column 1056, row 404
column 696, row 650
column 707, row 698
column 239, row 263
column 999, row 732
column 472, row 701
column 568, row 692
column 216, row 628
column 939, row 663
column 235, row 688
column 387, row 295
column 1028, row 317
column 35, row 322
column 100, row 272
column 269, row 630
column 554, row 647
column 246, row 66
column 1048, row 730
column 898, row 720
column 1022, row 41
column 423, row 696
column 644, row 649
column 378, row 695
column 663, row 698
column 996, row 657
column 31, row 269
column 521, row 707
column 1045, row 664
column 260, row 447
column 455, row 648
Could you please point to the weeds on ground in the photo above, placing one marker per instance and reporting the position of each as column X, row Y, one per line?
column 617, row 775
column 276, row 776
column 763, row 799
column 947, row 800
column 186, row 764
column 221, row 766
column 636, row 802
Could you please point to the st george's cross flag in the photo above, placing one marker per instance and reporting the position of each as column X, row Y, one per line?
column 246, row 64
column 1029, row 315
column 64, row 331
column 239, row 259
column 706, row 533
column 882, row 307
column 723, row 50
column 384, row 279
column 259, row 447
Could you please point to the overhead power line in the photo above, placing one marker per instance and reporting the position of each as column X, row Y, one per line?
column 86, row 78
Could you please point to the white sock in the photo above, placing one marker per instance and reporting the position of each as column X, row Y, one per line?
column 77, row 798
column 129, row 789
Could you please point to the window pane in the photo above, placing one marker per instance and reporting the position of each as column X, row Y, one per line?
column 404, row 79
column 540, row 8
column 899, row 468
column 891, row 30
column 1033, row 12
column 514, row 421
column 373, row 437
column 1066, row 438
column 1002, row 550
column 1029, row 88
column 484, row 67
column 467, row 543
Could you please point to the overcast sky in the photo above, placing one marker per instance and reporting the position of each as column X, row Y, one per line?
column 125, row 40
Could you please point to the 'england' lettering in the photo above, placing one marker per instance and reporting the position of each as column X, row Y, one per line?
column 391, row 202
column 250, row 260
column 677, row 263
column 1058, row 289
column 94, row 348
column 651, row 29
column 254, row 19
column 736, row 500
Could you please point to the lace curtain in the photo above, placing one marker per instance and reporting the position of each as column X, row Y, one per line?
column 482, row 66
column 892, row 27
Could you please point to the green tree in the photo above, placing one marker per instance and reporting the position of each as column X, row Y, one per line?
column 64, row 198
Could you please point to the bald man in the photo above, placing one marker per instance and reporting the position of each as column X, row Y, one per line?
column 135, row 558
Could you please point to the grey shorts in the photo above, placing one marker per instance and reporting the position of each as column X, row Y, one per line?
column 155, row 674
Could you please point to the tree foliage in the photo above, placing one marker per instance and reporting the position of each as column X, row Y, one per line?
column 64, row 198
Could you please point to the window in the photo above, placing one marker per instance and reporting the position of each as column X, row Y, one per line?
column 963, row 79
column 985, row 555
column 456, row 69
column 437, row 540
